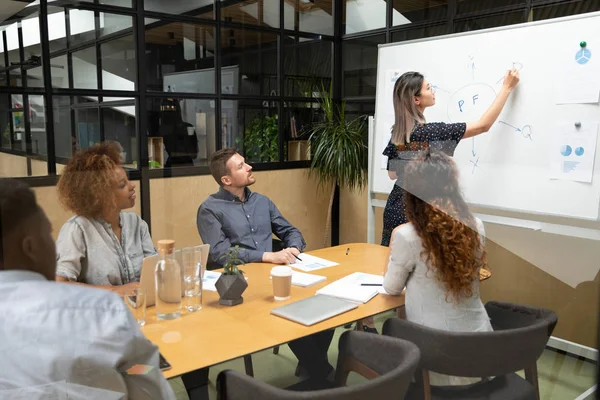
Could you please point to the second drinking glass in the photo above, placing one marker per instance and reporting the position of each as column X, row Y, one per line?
column 192, row 278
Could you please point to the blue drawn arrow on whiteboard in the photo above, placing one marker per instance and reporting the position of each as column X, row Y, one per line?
column 514, row 127
column 473, row 148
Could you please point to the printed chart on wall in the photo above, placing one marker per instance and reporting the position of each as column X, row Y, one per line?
column 574, row 151
column 540, row 155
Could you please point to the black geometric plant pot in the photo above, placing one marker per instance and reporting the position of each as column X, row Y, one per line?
column 230, row 288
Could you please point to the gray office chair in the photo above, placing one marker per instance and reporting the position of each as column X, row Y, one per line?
column 389, row 364
column 521, row 335
column 511, row 316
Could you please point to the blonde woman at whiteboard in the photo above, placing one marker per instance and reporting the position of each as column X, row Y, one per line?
column 410, row 134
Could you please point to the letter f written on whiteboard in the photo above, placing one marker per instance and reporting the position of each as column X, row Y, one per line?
column 475, row 98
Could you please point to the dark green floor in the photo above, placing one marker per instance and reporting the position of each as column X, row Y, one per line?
column 561, row 377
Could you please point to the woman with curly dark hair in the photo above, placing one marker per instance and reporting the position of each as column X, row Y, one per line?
column 101, row 245
column 437, row 255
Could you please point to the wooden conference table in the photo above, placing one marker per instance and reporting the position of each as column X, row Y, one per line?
column 218, row 333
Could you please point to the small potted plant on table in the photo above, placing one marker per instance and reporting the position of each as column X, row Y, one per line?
column 231, row 284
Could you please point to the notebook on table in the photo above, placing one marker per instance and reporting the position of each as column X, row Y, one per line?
column 350, row 287
column 313, row 309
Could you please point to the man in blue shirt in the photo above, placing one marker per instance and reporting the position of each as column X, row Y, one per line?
column 237, row 216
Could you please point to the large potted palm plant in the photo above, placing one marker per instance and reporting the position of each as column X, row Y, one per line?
column 339, row 151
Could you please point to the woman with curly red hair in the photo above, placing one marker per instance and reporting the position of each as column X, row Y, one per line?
column 101, row 245
column 437, row 255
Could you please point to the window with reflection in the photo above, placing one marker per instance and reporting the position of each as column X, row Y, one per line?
column 312, row 16
column 180, row 57
column 32, row 49
column 473, row 24
column 181, row 132
column 469, row 6
column 363, row 15
column 82, row 26
column 359, row 109
column 421, row 32
column 307, row 66
column 59, row 70
column 299, row 118
column 119, row 125
column 85, row 75
column 118, row 3
column 407, row 12
column 5, row 121
column 251, row 12
column 12, row 40
column 114, row 23
column 119, row 67
column 86, row 114
column 57, row 31
column 26, row 71
column 37, row 125
column 3, row 68
column 197, row 8
column 563, row 10
column 249, row 61
column 17, row 115
column 83, row 121
column 65, row 141
column 251, row 127
column 22, row 121
column 360, row 65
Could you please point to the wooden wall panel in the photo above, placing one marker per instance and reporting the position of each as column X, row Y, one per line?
column 12, row 166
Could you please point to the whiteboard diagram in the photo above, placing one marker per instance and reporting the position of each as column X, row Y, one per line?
column 508, row 167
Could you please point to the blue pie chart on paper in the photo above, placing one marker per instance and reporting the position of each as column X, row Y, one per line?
column 583, row 56
column 579, row 151
column 566, row 150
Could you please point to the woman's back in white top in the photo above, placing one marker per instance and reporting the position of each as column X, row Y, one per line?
column 427, row 301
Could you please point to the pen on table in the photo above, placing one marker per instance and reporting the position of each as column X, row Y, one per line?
column 347, row 250
column 371, row 284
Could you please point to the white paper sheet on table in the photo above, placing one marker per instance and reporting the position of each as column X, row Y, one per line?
column 573, row 151
column 350, row 287
column 209, row 279
column 305, row 280
column 310, row 263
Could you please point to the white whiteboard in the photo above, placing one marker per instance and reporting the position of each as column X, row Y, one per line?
column 513, row 167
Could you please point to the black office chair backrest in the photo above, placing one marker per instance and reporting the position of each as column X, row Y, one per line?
column 478, row 354
column 510, row 316
column 390, row 362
